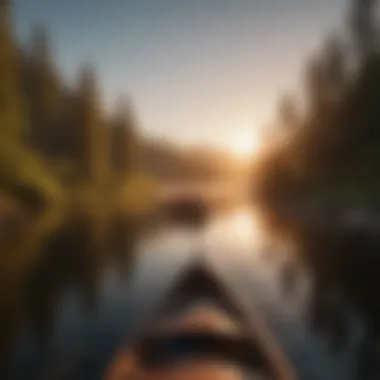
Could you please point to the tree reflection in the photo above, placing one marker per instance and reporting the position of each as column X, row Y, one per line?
column 71, row 257
column 344, row 265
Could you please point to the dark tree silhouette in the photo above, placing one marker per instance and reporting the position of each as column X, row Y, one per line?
column 334, row 159
column 90, row 128
column 11, row 103
column 44, row 94
column 123, row 141
column 363, row 26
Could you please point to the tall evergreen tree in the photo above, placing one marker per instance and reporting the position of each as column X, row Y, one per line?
column 12, row 122
column 92, row 139
column 363, row 26
column 336, row 68
column 44, row 93
column 123, row 141
column 315, row 85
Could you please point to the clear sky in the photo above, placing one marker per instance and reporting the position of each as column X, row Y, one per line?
column 197, row 70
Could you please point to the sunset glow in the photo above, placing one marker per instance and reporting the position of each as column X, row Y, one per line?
column 245, row 145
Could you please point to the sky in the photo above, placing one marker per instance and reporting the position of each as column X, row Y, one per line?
column 197, row 71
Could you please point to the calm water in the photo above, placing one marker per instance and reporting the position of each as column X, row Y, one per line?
column 85, row 323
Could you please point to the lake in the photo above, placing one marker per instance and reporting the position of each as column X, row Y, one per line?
column 82, row 306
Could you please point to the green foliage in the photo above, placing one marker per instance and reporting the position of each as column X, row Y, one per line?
column 363, row 26
column 92, row 135
column 124, row 142
column 43, row 92
column 337, row 146
column 23, row 173
column 12, row 120
column 65, row 156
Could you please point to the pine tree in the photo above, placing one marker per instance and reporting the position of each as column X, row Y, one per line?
column 44, row 93
column 123, row 141
column 12, row 123
column 91, row 134
column 363, row 26
column 315, row 85
column 336, row 68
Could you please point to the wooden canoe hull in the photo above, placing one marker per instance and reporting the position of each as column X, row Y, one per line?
column 201, row 305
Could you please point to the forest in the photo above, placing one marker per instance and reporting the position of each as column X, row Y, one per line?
column 330, row 152
column 57, row 142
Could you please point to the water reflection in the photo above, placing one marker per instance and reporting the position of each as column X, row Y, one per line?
column 309, row 280
column 342, row 263
column 237, row 232
column 92, row 282
column 70, row 261
column 90, row 285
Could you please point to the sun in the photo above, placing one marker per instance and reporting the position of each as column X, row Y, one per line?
column 244, row 145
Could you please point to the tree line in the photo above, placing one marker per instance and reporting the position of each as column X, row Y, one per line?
column 52, row 134
column 331, row 149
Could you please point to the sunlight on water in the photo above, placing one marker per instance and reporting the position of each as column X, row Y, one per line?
column 239, row 233
column 239, row 245
column 246, row 225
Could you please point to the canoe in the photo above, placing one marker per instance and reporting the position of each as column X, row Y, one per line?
column 201, row 330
